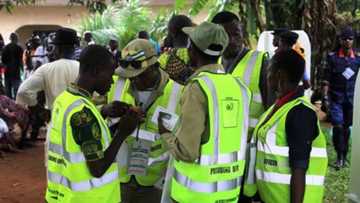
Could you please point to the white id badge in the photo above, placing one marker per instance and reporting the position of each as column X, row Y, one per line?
column 348, row 73
column 170, row 119
column 138, row 158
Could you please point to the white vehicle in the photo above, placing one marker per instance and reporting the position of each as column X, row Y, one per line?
column 354, row 187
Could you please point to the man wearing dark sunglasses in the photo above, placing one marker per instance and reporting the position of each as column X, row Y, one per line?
column 140, row 82
column 343, row 67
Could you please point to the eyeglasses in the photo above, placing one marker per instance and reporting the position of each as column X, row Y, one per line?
column 125, row 63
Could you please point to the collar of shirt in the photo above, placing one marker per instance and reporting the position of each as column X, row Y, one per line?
column 156, row 92
column 298, row 92
column 212, row 68
column 164, row 77
column 230, row 65
column 341, row 53
column 75, row 89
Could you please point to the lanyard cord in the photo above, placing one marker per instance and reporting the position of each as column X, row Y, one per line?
column 138, row 127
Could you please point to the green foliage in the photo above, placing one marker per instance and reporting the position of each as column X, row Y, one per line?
column 92, row 5
column 158, row 28
column 102, row 26
column 9, row 5
column 179, row 5
column 222, row 5
column 133, row 18
column 214, row 6
column 122, row 23
column 197, row 6
column 348, row 5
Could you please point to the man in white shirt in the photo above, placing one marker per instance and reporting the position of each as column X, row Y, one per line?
column 54, row 77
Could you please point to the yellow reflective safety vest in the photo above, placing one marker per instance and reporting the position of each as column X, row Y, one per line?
column 158, row 156
column 249, row 70
column 216, row 175
column 273, row 173
column 69, row 179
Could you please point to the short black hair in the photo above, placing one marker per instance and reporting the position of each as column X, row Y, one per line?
column 66, row 50
column 94, row 56
column 290, row 62
column 178, row 22
column 225, row 17
column 289, row 38
column 143, row 35
column 13, row 36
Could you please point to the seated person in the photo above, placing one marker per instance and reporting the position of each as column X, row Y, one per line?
column 15, row 116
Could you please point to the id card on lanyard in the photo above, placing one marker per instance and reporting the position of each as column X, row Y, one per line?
column 139, row 157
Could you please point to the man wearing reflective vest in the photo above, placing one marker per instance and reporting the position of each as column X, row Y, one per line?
column 82, row 151
column 291, row 158
column 141, row 82
column 251, row 67
column 210, row 140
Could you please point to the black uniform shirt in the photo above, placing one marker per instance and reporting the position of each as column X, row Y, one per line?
column 301, row 129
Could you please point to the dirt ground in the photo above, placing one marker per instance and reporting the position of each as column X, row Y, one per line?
column 22, row 176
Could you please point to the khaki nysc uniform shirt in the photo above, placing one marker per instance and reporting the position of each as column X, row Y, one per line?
column 193, row 127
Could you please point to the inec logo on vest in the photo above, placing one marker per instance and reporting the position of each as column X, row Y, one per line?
column 230, row 106
column 230, row 111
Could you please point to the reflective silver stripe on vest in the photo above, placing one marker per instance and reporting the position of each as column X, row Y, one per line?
column 253, row 122
column 250, row 67
column 163, row 157
column 216, row 107
column 270, row 146
column 70, row 157
column 206, row 160
column 83, row 185
column 245, row 124
column 173, row 99
column 250, row 171
column 119, row 86
column 279, row 178
column 120, row 83
column 60, row 149
column 257, row 98
column 219, row 186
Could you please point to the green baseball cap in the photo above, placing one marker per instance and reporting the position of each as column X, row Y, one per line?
column 136, row 57
column 210, row 38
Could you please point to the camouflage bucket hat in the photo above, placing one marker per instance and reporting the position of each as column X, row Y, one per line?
column 137, row 56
